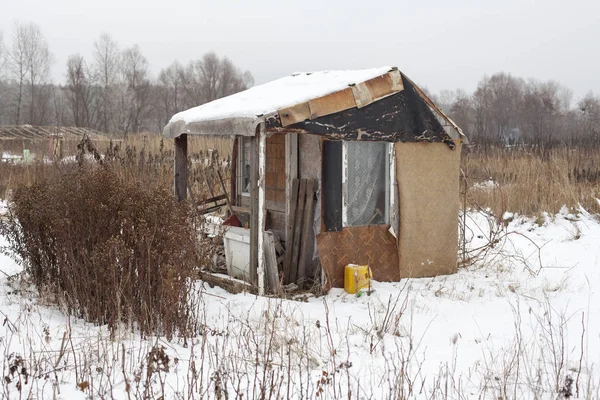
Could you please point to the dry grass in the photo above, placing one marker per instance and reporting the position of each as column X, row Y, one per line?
column 529, row 183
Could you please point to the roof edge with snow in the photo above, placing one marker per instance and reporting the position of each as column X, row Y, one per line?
column 297, row 98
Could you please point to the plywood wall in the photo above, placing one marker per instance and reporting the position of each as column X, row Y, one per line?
column 428, row 189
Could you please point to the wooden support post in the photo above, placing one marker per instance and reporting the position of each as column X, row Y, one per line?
column 254, row 227
column 181, row 172
column 291, row 173
column 257, row 207
column 262, row 210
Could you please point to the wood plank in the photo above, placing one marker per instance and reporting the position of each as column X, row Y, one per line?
column 211, row 208
column 225, row 191
column 298, row 230
column 291, row 173
column 181, row 150
column 254, row 227
column 331, row 103
column 212, row 199
column 271, row 262
column 241, row 209
column 297, row 113
column 228, row 283
column 289, row 243
column 307, row 226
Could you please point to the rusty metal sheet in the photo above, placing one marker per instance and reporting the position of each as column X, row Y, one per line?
column 377, row 88
column 291, row 115
column 331, row 103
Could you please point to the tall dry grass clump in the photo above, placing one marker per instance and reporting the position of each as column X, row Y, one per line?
column 523, row 180
column 110, row 249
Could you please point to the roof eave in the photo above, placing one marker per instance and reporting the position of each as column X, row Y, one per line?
column 238, row 126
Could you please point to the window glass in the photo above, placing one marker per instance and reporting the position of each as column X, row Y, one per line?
column 245, row 165
column 367, row 185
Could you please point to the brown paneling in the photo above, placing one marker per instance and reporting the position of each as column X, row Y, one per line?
column 428, row 179
column 371, row 245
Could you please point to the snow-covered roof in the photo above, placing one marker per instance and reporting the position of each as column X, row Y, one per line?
column 297, row 98
column 242, row 110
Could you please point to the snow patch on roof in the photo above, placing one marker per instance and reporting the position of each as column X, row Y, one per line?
column 272, row 96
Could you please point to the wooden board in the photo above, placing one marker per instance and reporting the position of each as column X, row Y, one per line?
column 271, row 262
column 307, row 226
column 331, row 103
column 371, row 245
column 297, row 231
column 287, row 264
column 291, row 115
column 181, row 150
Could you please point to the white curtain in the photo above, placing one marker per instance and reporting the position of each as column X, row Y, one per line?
column 367, row 185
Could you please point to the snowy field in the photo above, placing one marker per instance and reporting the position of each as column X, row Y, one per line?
column 523, row 322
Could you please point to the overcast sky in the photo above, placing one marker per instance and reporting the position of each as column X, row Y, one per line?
column 439, row 44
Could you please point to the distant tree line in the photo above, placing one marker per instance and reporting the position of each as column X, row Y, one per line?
column 113, row 92
column 509, row 111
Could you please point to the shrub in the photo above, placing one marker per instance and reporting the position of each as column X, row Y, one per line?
column 110, row 249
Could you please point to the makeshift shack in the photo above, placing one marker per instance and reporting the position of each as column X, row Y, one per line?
column 343, row 167
column 28, row 142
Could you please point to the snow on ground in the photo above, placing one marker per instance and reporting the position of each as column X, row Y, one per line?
column 513, row 325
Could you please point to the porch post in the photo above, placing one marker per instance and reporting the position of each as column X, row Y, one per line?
column 257, row 207
column 181, row 167
column 262, row 212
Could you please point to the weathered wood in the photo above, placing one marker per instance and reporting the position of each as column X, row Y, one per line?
column 241, row 209
column 228, row 283
column 332, row 186
column 297, row 113
column 331, row 103
column 181, row 146
column 254, row 226
column 307, row 225
column 224, row 191
column 291, row 173
column 262, row 211
column 211, row 208
column 298, row 231
column 271, row 262
column 212, row 199
column 289, row 242
column 234, row 171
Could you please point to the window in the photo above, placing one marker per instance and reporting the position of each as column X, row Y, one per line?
column 367, row 191
column 356, row 186
column 244, row 166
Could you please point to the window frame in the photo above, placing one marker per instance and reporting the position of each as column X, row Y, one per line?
column 390, row 171
column 241, row 158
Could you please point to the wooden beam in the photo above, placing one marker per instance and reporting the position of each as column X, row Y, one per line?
column 254, row 224
column 262, row 210
column 287, row 264
column 307, row 227
column 181, row 173
column 291, row 173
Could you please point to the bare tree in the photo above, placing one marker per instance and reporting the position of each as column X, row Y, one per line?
column 211, row 78
column 18, row 66
column 169, row 93
column 496, row 104
column 78, row 90
column 38, row 60
column 589, row 108
column 135, row 77
column 106, row 68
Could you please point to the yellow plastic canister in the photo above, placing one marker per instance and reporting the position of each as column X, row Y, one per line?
column 356, row 277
